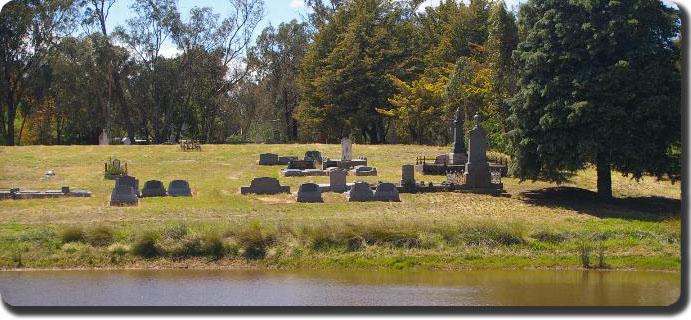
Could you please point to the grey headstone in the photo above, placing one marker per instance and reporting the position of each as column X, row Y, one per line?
column 477, row 174
column 301, row 164
column 268, row 159
column 128, row 181
column 315, row 156
column 265, row 185
column 126, row 141
column 284, row 160
column 337, row 180
column 386, row 192
column 153, row 188
column 408, row 175
column 360, row 191
column 309, row 192
column 442, row 159
column 362, row 171
column 179, row 188
column 346, row 149
column 123, row 195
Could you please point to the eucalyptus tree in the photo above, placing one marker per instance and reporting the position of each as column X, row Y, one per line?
column 29, row 30
column 277, row 56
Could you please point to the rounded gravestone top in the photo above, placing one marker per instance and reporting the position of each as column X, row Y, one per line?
column 477, row 118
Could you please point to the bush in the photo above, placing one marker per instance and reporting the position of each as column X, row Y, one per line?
column 72, row 234
column 145, row 245
column 212, row 245
column 100, row 236
column 236, row 140
column 175, row 232
column 549, row 236
column 254, row 243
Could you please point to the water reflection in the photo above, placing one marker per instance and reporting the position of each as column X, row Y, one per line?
column 233, row 287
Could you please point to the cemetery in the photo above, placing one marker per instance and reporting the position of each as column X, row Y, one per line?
column 234, row 196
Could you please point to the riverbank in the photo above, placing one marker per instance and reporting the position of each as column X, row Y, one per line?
column 541, row 226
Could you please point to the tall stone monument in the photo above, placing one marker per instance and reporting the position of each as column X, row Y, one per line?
column 458, row 155
column 346, row 149
column 477, row 174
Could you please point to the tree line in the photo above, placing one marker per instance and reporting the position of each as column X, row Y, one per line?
column 560, row 84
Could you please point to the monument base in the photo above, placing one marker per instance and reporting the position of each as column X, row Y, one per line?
column 458, row 158
column 478, row 175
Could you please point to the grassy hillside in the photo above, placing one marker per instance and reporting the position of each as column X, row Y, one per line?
column 541, row 225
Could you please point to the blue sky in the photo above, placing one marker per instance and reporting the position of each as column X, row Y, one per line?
column 276, row 11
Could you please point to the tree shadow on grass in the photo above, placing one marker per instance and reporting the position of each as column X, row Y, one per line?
column 586, row 202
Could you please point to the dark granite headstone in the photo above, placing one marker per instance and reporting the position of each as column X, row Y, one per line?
column 265, row 185
column 309, row 192
column 360, row 191
column 179, row 188
column 123, row 195
column 153, row 188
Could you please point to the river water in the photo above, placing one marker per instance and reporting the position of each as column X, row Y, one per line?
column 338, row 288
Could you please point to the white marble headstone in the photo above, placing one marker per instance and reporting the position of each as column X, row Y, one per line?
column 103, row 138
column 346, row 149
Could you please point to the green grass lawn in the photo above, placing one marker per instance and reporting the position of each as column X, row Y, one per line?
column 541, row 225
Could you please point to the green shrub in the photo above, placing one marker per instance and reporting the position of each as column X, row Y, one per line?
column 145, row 245
column 236, row 140
column 584, row 254
column 72, row 234
column 212, row 245
column 549, row 236
column 184, row 248
column 254, row 243
column 100, row 236
column 175, row 232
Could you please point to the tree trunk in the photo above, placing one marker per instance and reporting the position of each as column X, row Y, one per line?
column 604, row 176
column 9, row 133
column 124, row 107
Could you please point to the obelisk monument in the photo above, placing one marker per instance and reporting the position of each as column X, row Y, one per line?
column 458, row 155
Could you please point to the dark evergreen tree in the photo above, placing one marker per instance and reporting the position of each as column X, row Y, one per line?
column 598, row 86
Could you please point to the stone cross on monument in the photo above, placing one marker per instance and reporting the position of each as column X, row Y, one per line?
column 477, row 174
column 458, row 155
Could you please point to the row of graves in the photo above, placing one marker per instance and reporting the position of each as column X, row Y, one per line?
column 466, row 172
column 126, row 190
column 314, row 164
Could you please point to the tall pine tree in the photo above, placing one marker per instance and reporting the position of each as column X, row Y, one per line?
column 598, row 86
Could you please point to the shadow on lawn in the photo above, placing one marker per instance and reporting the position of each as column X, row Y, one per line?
column 586, row 202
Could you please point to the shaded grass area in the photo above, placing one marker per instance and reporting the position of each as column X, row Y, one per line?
column 541, row 226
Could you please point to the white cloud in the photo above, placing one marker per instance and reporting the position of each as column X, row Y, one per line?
column 297, row 4
column 169, row 51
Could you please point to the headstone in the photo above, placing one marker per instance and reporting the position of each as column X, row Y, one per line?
column 171, row 139
column 442, row 159
column 277, row 136
column 386, row 192
column 103, row 138
column 337, row 180
column 123, row 195
column 363, row 171
column 458, row 155
column 126, row 141
column 408, row 175
column 128, row 181
column 315, row 156
column 116, row 164
column 284, row 160
column 360, row 191
column 268, row 159
column 477, row 174
column 153, row 188
column 65, row 189
column 301, row 164
column 265, row 185
column 179, row 188
column 309, row 192
column 346, row 149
